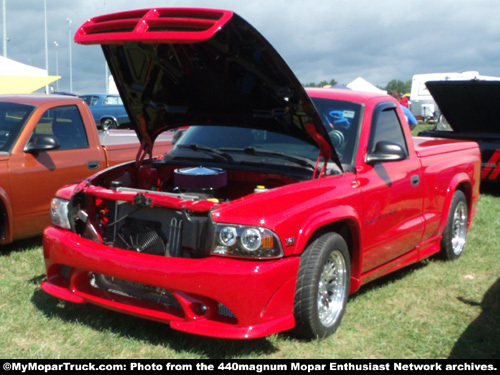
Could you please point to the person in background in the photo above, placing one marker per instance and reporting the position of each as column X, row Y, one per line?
column 405, row 101
column 412, row 121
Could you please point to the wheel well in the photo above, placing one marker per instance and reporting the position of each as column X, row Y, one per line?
column 349, row 230
column 466, row 188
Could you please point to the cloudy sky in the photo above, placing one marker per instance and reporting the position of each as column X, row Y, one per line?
column 320, row 39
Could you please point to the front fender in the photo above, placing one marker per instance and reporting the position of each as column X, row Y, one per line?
column 340, row 218
column 66, row 192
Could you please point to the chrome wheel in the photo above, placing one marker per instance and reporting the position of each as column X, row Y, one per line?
column 108, row 123
column 322, row 287
column 332, row 289
column 459, row 228
column 455, row 232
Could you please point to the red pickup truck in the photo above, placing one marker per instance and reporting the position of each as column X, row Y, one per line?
column 274, row 205
column 47, row 141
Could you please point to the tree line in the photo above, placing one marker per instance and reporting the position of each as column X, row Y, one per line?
column 402, row 86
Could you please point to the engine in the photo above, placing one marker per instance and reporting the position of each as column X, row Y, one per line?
column 166, row 228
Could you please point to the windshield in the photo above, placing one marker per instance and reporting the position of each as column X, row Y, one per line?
column 12, row 119
column 224, row 137
column 340, row 118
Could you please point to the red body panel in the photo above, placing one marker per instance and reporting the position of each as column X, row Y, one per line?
column 192, row 282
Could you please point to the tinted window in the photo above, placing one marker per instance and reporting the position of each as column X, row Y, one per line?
column 66, row 124
column 387, row 128
column 90, row 99
column 229, row 137
column 112, row 100
column 13, row 116
column 341, row 120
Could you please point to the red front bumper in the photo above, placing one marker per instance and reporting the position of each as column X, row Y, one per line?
column 259, row 294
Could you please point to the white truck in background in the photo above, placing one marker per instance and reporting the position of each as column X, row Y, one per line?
column 423, row 105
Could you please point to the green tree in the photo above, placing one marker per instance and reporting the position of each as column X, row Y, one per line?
column 403, row 87
column 332, row 82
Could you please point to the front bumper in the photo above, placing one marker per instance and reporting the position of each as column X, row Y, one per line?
column 258, row 294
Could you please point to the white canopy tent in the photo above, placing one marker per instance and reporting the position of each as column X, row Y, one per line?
column 360, row 84
column 18, row 78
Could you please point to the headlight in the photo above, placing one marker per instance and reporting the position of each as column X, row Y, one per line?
column 59, row 213
column 243, row 241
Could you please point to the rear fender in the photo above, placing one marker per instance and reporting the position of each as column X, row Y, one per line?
column 462, row 182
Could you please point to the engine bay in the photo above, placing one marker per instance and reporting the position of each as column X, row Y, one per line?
column 170, row 228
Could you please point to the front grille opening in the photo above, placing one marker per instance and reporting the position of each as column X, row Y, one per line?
column 134, row 290
column 65, row 272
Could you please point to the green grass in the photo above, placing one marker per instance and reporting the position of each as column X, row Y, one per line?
column 433, row 309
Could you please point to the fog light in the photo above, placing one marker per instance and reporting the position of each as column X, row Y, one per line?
column 199, row 308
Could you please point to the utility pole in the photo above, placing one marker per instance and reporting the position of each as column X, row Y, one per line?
column 69, row 21
column 4, row 23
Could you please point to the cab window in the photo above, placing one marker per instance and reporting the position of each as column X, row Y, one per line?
column 386, row 127
column 66, row 124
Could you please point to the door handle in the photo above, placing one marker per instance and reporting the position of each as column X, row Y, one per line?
column 415, row 180
column 92, row 165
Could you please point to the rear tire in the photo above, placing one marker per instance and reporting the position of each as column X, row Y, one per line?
column 455, row 232
column 322, row 287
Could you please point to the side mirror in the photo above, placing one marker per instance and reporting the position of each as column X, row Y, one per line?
column 42, row 142
column 386, row 151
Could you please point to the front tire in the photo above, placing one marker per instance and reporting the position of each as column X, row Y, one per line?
column 455, row 232
column 322, row 287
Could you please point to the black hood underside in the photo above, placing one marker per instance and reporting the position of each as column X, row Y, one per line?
column 470, row 107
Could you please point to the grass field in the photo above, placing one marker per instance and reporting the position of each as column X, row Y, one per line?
column 433, row 309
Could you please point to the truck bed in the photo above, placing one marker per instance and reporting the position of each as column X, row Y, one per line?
column 427, row 146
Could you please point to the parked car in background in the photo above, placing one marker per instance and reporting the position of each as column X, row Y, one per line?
column 108, row 111
column 47, row 141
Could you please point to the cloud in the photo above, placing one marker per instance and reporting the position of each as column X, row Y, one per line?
column 320, row 39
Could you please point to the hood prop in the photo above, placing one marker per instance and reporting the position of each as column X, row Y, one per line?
column 146, row 143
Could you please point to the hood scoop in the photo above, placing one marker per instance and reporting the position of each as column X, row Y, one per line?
column 180, row 67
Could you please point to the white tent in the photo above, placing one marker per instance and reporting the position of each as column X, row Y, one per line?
column 18, row 78
column 360, row 84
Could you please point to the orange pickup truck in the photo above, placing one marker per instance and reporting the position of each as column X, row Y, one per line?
column 47, row 141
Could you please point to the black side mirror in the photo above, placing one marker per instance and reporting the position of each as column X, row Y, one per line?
column 42, row 142
column 386, row 151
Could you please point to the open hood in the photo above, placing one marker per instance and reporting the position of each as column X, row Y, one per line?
column 181, row 66
column 469, row 106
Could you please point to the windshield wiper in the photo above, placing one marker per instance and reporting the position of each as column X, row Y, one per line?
column 304, row 162
column 213, row 151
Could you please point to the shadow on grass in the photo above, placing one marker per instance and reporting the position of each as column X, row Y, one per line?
column 153, row 333
column 390, row 278
column 490, row 188
column 20, row 245
column 481, row 338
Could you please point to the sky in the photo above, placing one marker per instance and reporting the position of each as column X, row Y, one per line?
column 319, row 39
